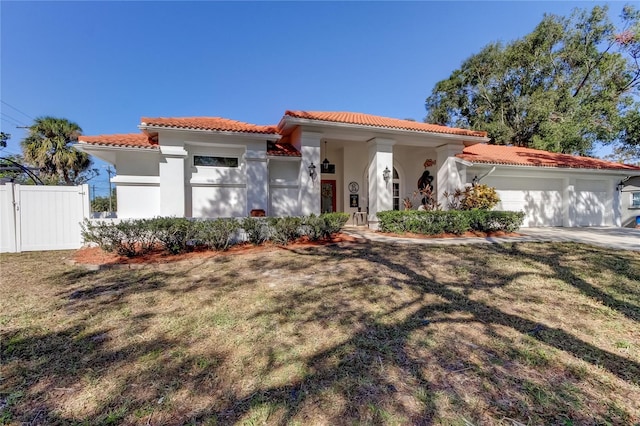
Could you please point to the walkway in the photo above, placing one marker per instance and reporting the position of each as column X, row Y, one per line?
column 615, row 238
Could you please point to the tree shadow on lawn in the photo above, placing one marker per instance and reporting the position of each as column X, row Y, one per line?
column 358, row 368
column 390, row 368
column 71, row 369
column 619, row 263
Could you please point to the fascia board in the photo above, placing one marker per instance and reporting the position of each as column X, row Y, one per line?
column 244, row 135
column 542, row 169
column 87, row 147
column 382, row 130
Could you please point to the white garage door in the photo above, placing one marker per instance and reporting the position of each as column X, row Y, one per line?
column 591, row 208
column 539, row 199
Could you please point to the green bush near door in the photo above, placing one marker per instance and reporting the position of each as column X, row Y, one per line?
column 456, row 222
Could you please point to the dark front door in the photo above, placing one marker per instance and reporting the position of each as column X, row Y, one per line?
column 328, row 196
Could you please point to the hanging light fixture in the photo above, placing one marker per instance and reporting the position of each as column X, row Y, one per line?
column 326, row 166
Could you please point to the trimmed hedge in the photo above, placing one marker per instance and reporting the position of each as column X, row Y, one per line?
column 457, row 222
column 136, row 237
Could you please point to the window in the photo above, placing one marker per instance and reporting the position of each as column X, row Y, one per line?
column 635, row 199
column 396, row 190
column 208, row 161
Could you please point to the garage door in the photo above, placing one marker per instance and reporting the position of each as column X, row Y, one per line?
column 591, row 208
column 539, row 199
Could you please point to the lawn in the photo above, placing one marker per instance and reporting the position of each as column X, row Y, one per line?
column 342, row 334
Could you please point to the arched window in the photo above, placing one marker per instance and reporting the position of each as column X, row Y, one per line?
column 396, row 190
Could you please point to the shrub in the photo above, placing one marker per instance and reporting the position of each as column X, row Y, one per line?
column 314, row 227
column 334, row 222
column 283, row 230
column 480, row 197
column 492, row 221
column 177, row 235
column 450, row 221
column 127, row 238
column 217, row 233
column 256, row 229
column 473, row 197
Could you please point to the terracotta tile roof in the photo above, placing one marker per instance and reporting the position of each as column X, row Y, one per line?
column 512, row 155
column 281, row 149
column 377, row 121
column 208, row 123
column 137, row 140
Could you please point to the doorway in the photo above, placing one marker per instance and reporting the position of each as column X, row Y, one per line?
column 327, row 196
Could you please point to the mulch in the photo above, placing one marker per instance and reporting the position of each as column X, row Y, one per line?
column 96, row 256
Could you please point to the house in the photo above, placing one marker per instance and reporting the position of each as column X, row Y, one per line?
column 314, row 162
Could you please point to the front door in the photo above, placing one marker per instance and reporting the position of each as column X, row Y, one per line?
column 328, row 196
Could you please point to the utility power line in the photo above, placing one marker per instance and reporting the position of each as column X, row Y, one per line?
column 9, row 119
column 16, row 109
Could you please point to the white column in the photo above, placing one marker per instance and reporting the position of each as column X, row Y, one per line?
column 448, row 177
column 257, row 177
column 380, row 192
column 172, row 200
column 309, row 195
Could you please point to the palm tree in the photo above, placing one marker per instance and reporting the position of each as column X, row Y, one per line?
column 49, row 147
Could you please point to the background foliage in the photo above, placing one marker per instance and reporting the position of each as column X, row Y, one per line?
column 571, row 83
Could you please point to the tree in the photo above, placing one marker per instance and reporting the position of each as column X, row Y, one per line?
column 564, row 87
column 49, row 147
column 102, row 204
column 12, row 169
column 4, row 137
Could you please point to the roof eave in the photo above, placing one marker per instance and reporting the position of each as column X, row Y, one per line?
column 252, row 135
column 565, row 168
column 82, row 146
column 288, row 121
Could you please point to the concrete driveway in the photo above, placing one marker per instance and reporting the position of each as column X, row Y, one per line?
column 615, row 238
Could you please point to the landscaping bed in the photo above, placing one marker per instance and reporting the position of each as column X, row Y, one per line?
column 97, row 256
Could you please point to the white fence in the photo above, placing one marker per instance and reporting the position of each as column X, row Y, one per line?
column 42, row 217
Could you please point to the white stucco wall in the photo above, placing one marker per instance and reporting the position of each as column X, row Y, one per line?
column 137, row 183
column 354, row 158
column 216, row 191
column 284, row 187
column 138, row 201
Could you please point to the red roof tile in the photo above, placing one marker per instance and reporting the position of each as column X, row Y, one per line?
column 517, row 156
column 377, row 121
column 282, row 149
column 138, row 140
column 208, row 123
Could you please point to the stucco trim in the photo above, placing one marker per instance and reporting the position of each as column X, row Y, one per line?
column 289, row 121
column 242, row 135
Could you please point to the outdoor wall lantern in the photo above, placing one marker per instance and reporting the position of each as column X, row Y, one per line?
column 620, row 186
column 386, row 174
column 312, row 172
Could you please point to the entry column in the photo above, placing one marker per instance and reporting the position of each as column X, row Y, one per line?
column 309, row 198
column 380, row 191
column 449, row 177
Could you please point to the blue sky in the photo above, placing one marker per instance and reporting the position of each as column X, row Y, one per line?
column 106, row 64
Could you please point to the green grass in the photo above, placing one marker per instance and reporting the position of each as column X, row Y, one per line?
column 343, row 334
